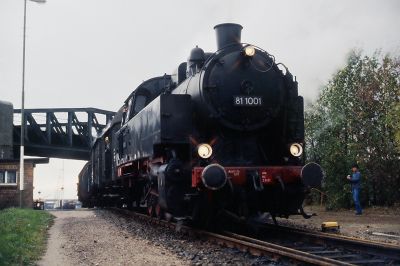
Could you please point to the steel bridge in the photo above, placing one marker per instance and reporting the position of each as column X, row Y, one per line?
column 60, row 132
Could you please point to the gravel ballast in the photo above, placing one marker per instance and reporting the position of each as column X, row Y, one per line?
column 104, row 237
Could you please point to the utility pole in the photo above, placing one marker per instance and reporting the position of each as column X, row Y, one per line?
column 22, row 150
column 21, row 154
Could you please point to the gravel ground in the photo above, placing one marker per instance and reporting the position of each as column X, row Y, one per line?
column 85, row 238
column 373, row 220
column 99, row 237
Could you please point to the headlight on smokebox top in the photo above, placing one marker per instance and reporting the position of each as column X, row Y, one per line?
column 296, row 149
column 249, row 51
column 204, row 150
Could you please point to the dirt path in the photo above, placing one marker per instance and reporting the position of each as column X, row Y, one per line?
column 82, row 238
column 54, row 255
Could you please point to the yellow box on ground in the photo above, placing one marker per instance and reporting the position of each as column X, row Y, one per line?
column 330, row 226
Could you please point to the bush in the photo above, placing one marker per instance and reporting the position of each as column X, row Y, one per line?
column 23, row 234
column 356, row 119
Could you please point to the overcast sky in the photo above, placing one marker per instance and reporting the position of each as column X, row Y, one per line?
column 93, row 53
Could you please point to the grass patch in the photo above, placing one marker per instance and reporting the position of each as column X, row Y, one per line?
column 23, row 234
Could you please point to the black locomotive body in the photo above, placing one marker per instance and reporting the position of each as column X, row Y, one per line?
column 222, row 136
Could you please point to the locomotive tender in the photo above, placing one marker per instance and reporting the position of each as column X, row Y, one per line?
column 222, row 136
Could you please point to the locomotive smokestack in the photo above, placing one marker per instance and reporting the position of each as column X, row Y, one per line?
column 227, row 34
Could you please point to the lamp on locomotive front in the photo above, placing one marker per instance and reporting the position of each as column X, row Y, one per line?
column 296, row 149
column 249, row 51
column 204, row 150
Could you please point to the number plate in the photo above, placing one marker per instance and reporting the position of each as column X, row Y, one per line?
column 247, row 101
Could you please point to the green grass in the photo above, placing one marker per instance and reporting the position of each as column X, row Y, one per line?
column 23, row 234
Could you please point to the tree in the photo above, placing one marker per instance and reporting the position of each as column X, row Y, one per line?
column 356, row 118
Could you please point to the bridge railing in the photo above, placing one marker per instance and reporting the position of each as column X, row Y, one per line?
column 61, row 132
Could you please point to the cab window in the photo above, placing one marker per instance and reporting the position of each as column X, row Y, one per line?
column 140, row 102
column 128, row 114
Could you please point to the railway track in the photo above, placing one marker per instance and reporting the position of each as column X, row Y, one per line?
column 293, row 246
column 342, row 248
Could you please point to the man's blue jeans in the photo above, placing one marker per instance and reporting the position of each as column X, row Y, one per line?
column 356, row 198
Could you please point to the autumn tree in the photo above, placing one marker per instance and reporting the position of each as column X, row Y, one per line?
column 356, row 118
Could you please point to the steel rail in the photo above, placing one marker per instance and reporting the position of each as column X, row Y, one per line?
column 372, row 247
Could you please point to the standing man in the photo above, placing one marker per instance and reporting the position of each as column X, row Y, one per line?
column 355, row 179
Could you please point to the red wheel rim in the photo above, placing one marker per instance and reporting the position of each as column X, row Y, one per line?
column 158, row 211
column 150, row 211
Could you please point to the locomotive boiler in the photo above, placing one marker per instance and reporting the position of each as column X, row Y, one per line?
column 222, row 136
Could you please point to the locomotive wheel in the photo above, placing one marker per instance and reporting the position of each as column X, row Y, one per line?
column 159, row 212
column 151, row 205
column 150, row 211
column 153, row 208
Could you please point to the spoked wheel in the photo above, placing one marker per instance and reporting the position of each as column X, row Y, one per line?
column 159, row 212
column 153, row 208
column 151, row 205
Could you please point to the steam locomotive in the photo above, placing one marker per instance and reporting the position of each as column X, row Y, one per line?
column 222, row 136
